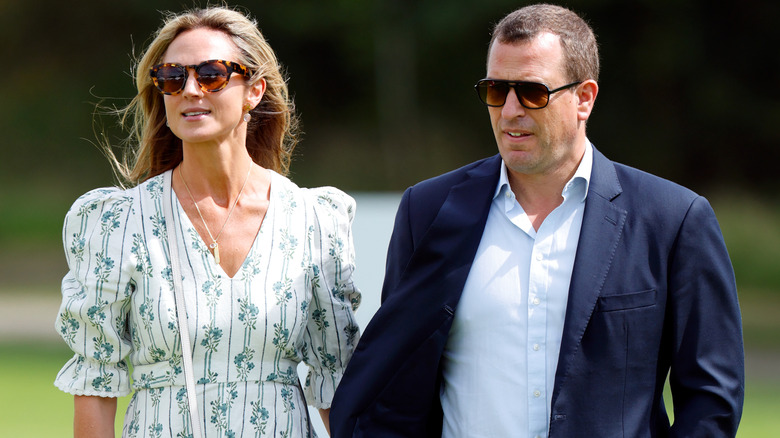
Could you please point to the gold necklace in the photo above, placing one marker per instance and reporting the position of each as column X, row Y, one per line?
column 214, row 245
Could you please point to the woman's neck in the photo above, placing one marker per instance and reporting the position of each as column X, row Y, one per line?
column 218, row 172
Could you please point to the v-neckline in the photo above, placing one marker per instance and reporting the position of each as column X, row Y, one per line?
column 188, row 225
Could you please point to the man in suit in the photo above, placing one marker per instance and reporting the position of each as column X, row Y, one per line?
column 548, row 291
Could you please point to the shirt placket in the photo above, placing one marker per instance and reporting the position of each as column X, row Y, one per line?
column 537, row 336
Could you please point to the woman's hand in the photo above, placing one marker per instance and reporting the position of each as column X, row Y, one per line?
column 325, row 414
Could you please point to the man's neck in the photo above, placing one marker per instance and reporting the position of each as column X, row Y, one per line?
column 540, row 194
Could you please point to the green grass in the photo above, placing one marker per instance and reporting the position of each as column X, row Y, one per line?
column 760, row 418
column 32, row 262
column 33, row 408
column 36, row 217
column 751, row 229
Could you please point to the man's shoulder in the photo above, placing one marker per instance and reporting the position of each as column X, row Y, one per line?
column 485, row 167
column 424, row 199
column 640, row 190
column 633, row 179
column 611, row 175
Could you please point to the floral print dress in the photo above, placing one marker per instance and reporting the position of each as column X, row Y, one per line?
column 291, row 301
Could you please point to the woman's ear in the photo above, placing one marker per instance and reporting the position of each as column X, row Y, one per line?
column 256, row 92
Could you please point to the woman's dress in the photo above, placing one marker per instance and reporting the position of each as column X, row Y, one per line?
column 291, row 301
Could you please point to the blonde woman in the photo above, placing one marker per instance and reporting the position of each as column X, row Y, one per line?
column 265, row 266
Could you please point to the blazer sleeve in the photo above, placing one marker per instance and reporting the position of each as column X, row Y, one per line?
column 400, row 248
column 707, row 369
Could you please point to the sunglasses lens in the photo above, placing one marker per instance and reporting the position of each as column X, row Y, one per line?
column 212, row 75
column 493, row 93
column 532, row 95
column 170, row 78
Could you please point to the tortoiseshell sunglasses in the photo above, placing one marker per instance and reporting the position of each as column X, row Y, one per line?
column 212, row 75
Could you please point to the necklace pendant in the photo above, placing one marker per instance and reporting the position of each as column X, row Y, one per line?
column 215, row 247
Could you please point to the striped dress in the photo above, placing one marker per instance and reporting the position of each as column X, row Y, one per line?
column 291, row 301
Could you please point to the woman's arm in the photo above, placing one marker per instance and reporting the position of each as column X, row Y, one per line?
column 93, row 416
column 325, row 414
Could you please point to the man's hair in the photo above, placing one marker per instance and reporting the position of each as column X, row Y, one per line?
column 580, row 50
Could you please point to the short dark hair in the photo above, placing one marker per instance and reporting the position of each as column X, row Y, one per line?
column 580, row 50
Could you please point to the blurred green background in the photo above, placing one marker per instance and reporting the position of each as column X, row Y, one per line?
column 383, row 87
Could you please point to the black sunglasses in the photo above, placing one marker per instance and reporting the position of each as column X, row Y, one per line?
column 532, row 95
column 212, row 75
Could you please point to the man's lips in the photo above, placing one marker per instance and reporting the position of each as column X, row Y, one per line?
column 517, row 133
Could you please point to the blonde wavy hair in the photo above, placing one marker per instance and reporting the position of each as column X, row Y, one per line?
column 272, row 133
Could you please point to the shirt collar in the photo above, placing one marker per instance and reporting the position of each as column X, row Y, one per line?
column 582, row 174
column 503, row 181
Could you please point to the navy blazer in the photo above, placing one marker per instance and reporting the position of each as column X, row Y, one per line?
column 652, row 290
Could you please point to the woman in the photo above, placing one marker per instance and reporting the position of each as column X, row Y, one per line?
column 266, row 266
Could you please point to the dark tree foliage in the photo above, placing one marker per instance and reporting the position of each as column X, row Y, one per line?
column 384, row 87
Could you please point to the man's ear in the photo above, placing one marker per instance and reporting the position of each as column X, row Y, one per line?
column 586, row 98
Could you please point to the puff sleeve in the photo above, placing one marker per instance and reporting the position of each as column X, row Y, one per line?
column 96, row 295
column 331, row 333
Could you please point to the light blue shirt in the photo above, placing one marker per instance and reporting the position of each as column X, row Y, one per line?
column 500, row 360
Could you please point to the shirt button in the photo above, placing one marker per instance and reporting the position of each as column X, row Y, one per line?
column 537, row 393
column 536, row 347
column 538, row 257
column 508, row 195
column 537, row 301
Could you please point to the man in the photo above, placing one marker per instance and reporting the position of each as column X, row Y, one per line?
column 548, row 291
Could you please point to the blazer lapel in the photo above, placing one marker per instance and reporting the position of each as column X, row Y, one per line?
column 446, row 251
column 602, row 226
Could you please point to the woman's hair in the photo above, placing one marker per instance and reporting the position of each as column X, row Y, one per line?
column 153, row 148
column 580, row 50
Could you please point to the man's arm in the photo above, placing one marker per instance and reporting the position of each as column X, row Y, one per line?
column 400, row 248
column 707, row 371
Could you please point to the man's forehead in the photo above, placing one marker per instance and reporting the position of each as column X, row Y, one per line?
column 540, row 55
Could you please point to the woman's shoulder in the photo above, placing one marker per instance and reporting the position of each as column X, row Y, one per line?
column 97, row 213
column 114, row 197
column 97, row 199
column 322, row 199
column 333, row 199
